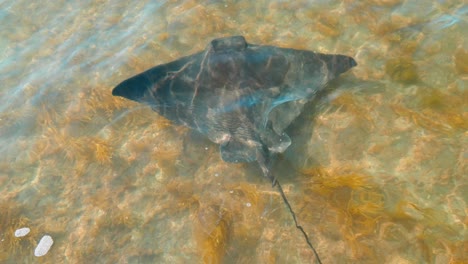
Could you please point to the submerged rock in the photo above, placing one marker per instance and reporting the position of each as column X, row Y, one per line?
column 44, row 246
column 21, row 232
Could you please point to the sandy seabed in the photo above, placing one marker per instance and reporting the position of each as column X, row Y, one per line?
column 376, row 175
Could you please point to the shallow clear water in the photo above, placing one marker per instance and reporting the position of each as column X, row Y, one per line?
column 376, row 174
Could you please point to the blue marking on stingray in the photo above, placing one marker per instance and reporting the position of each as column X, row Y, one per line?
column 251, row 100
column 244, row 101
column 283, row 99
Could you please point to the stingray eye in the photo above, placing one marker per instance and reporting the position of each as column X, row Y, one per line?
column 236, row 43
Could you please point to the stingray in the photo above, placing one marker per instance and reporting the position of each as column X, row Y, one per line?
column 239, row 95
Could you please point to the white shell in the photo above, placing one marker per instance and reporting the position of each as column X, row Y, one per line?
column 21, row 232
column 44, row 246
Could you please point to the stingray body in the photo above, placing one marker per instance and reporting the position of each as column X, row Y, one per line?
column 239, row 95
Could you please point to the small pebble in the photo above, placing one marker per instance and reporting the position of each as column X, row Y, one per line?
column 44, row 246
column 22, row 232
column 248, row 204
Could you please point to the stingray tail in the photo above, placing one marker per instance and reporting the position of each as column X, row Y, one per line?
column 280, row 189
column 264, row 160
